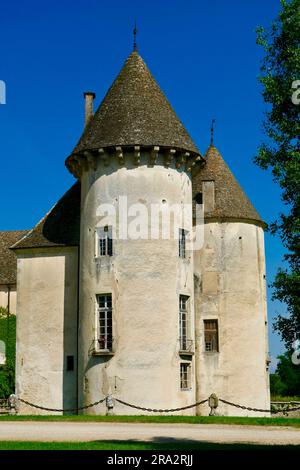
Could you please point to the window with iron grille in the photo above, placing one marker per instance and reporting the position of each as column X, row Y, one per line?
column 182, row 242
column 185, row 376
column 105, row 338
column 184, row 322
column 105, row 241
column 211, row 335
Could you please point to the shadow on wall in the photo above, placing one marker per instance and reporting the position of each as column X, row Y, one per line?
column 70, row 331
column 62, row 224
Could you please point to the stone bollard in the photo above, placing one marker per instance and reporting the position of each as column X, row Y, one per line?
column 110, row 403
column 213, row 403
column 12, row 401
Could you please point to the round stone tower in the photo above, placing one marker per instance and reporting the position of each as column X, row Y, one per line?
column 136, row 294
column 230, row 294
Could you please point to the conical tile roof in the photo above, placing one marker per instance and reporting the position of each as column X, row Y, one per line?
column 135, row 112
column 231, row 201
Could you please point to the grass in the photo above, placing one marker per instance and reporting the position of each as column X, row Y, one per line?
column 281, row 398
column 137, row 445
column 294, row 422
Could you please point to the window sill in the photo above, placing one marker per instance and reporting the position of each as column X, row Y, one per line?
column 182, row 352
column 102, row 352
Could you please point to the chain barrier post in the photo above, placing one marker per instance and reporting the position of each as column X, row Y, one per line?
column 213, row 403
column 12, row 402
column 110, row 403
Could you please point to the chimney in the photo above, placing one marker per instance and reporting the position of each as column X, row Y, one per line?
column 89, row 101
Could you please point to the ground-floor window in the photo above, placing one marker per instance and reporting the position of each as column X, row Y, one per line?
column 185, row 376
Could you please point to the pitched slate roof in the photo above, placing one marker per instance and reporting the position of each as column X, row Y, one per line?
column 231, row 201
column 135, row 112
column 8, row 259
column 60, row 227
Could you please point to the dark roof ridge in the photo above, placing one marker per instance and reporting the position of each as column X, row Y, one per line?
column 59, row 227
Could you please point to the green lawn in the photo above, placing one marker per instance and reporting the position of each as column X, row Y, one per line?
column 294, row 422
column 137, row 445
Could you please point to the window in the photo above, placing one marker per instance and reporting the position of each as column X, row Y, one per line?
column 199, row 198
column 70, row 363
column 182, row 242
column 185, row 376
column 105, row 241
column 184, row 323
column 211, row 335
column 105, row 338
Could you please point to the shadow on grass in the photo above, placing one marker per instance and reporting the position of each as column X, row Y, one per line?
column 160, row 443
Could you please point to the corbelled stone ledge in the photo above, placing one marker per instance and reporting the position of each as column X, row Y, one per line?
column 136, row 155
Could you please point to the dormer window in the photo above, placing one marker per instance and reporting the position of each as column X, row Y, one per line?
column 198, row 198
column 105, row 241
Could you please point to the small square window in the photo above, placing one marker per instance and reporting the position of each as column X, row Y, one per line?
column 70, row 363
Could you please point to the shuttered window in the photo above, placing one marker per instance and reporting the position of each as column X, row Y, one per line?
column 211, row 335
column 182, row 242
column 105, row 241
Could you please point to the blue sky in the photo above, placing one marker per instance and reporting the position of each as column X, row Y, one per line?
column 203, row 55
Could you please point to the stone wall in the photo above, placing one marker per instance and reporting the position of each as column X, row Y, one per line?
column 145, row 278
column 46, row 328
column 230, row 287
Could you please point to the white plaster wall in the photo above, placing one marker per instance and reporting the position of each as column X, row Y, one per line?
column 4, row 298
column 145, row 278
column 46, row 328
column 230, row 287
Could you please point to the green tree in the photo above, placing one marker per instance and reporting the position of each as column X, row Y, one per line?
column 286, row 381
column 7, row 371
column 277, row 388
column 280, row 152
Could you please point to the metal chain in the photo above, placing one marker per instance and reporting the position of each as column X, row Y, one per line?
column 155, row 410
column 258, row 409
column 160, row 410
column 62, row 409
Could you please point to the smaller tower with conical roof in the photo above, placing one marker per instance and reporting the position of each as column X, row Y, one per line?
column 230, row 293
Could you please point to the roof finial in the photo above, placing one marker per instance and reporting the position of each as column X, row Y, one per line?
column 134, row 37
column 212, row 130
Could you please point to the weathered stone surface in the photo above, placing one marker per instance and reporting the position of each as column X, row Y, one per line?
column 46, row 328
column 235, row 253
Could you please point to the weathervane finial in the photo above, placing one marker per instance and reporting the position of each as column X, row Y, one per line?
column 212, row 130
column 134, row 37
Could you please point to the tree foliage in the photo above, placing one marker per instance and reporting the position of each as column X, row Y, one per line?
column 286, row 380
column 7, row 371
column 280, row 71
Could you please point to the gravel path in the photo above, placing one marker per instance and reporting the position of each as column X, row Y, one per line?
column 53, row 431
